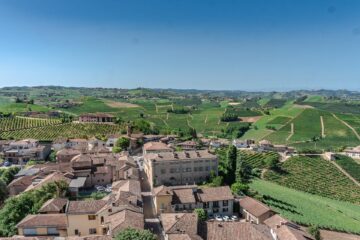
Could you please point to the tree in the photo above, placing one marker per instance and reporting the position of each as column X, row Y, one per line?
column 3, row 191
column 272, row 162
column 243, row 171
column 121, row 144
column 135, row 234
column 315, row 232
column 231, row 164
column 201, row 213
column 239, row 188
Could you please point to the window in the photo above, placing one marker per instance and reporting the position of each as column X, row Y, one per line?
column 92, row 230
column 207, row 168
column 52, row 231
column 206, row 205
column 91, row 217
column 102, row 219
column 225, row 209
column 30, row 231
column 163, row 171
column 200, row 169
column 225, row 203
column 215, row 210
column 216, row 204
column 76, row 232
column 188, row 169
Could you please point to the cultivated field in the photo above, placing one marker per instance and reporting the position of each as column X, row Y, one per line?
column 349, row 165
column 309, row 209
column 18, row 123
column 255, row 159
column 316, row 176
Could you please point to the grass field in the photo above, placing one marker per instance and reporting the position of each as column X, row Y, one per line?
column 316, row 176
column 349, row 165
column 309, row 209
column 11, row 107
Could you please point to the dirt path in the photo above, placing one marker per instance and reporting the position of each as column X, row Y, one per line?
column 348, row 125
column 291, row 133
column 167, row 116
column 206, row 119
column 322, row 127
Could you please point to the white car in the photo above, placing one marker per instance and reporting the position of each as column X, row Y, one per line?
column 234, row 218
column 226, row 218
column 218, row 218
column 100, row 189
column 109, row 186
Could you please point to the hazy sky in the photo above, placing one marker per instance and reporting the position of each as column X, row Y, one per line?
column 223, row 44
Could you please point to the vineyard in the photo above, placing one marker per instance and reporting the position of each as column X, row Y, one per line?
column 18, row 123
column 316, row 176
column 255, row 159
column 308, row 209
column 349, row 165
column 68, row 130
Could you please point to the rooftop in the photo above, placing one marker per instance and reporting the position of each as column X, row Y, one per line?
column 253, row 206
column 156, row 146
column 53, row 205
column 183, row 155
column 44, row 220
column 84, row 207
column 210, row 194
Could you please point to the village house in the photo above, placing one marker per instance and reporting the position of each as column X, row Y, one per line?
column 180, row 226
column 254, row 211
column 282, row 229
column 242, row 143
column 215, row 200
column 180, row 168
column 96, row 118
column 265, row 145
column 156, row 147
column 187, row 145
column 25, row 150
column 353, row 152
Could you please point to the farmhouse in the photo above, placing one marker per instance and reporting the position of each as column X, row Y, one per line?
column 353, row 152
column 97, row 118
column 254, row 211
column 179, row 168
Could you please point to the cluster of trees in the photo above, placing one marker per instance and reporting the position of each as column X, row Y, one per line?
column 6, row 176
column 135, row 234
column 235, row 130
column 18, row 207
column 229, row 117
column 122, row 144
column 178, row 110
column 19, row 100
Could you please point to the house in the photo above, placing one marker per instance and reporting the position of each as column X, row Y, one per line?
column 242, row 143
column 215, row 144
column 215, row 200
column 19, row 185
column 96, row 118
column 353, row 152
column 25, row 150
column 53, row 206
column 179, row 168
column 180, row 226
column 265, row 145
column 122, row 220
column 282, row 229
column 43, row 225
column 156, row 147
column 254, row 211
column 187, row 145
column 152, row 138
column 66, row 154
column 235, row 230
column 38, row 182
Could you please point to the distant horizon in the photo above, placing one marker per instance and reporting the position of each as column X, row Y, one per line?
column 185, row 89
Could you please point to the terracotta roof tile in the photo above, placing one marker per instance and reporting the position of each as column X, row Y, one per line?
column 48, row 220
column 253, row 206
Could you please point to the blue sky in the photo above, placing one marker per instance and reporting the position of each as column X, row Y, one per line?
column 228, row 44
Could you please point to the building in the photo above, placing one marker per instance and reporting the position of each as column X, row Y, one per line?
column 242, row 143
column 254, row 211
column 66, row 154
column 97, row 118
column 43, row 225
column 180, row 168
column 180, row 226
column 25, row 150
column 187, row 145
column 215, row 200
column 115, row 212
column 353, row 152
column 156, row 147
column 282, row 229
column 265, row 145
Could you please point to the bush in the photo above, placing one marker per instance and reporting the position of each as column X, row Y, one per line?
column 135, row 234
column 201, row 213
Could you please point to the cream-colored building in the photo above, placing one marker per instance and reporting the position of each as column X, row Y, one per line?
column 215, row 200
column 180, row 168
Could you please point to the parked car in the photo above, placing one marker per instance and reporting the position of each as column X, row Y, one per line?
column 234, row 218
column 100, row 188
column 226, row 218
column 7, row 164
column 218, row 218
